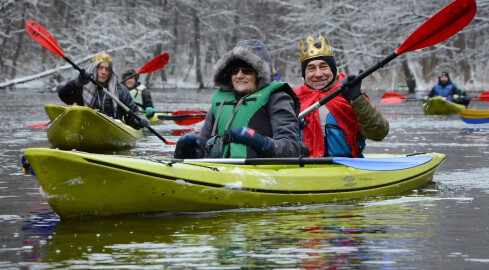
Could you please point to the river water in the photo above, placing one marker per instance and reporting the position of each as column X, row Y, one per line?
column 442, row 226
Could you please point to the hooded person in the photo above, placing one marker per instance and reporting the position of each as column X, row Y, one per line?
column 340, row 127
column 446, row 88
column 138, row 91
column 83, row 92
column 252, row 115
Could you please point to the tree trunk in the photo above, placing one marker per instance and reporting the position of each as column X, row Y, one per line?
column 198, row 71
column 410, row 80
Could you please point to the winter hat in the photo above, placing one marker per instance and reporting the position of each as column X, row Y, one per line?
column 252, row 53
column 129, row 74
column 444, row 73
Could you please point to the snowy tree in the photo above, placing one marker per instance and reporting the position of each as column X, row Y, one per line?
column 197, row 33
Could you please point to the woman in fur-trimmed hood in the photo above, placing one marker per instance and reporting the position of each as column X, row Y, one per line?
column 251, row 114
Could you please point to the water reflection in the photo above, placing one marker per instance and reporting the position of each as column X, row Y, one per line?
column 339, row 236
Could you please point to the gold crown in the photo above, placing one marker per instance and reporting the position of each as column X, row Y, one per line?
column 102, row 57
column 313, row 51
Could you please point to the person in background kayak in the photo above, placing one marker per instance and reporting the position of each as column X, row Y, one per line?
column 340, row 127
column 139, row 93
column 82, row 92
column 252, row 115
column 446, row 88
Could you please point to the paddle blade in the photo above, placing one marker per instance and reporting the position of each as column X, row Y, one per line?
column 192, row 119
column 38, row 125
column 391, row 98
column 444, row 24
column 155, row 64
column 484, row 96
column 43, row 37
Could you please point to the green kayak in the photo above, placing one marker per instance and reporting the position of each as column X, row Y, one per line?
column 441, row 106
column 83, row 184
column 53, row 111
column 85, row 129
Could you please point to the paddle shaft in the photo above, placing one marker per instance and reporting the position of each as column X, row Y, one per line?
column 181, row 116
column 261, row 161
column 123, row 106
column 357, row 79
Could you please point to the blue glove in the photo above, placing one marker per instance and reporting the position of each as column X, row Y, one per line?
column 263, row 145
column 188, row 146
column 83, row 78
column 352, row 92
column 150, row 111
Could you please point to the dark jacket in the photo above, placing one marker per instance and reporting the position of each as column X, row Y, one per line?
column 70, row 94
column 145, row 94
column 283, row 106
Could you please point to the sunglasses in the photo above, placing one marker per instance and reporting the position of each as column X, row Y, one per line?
column 245, row 70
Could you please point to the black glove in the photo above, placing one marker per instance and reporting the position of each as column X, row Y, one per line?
column 188, row 146
column 83, row 78
column 352, row 92
column 263, row 145
column 141, row 122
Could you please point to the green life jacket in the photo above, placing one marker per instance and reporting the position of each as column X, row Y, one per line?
column 251, row 108
column 137, row 97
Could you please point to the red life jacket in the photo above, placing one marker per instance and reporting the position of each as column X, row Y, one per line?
column 341, row 111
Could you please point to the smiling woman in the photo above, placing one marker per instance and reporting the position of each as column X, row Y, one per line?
column 244, row 79
column 252, row 115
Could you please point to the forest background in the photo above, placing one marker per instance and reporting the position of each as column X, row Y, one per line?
column 197, row 33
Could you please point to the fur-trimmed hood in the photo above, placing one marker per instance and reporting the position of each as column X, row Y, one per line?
column 250, row 51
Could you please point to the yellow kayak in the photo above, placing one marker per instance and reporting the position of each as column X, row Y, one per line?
column 441, row 106
column 475, row 116
column 85, row 129
column 82, row 184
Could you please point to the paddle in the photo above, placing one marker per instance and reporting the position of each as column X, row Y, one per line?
column 392, row 98
column 371, row 164
column 39, row 125
column 43, row 37
column 389, row 98
column 184, row 119
column 444, row 24
column 153, row 65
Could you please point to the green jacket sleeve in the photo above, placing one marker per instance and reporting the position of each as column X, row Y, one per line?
column 372, row 124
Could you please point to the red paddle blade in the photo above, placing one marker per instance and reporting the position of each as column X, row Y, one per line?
column 38, row 125
column 484, row 96
column 42, row 36
column 155, row 64
column 391, row 98
column 444, row 24
column 194, row 117
column 392, row 94
column 188, row 112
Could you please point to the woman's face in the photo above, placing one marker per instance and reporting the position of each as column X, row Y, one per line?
column 244, row 79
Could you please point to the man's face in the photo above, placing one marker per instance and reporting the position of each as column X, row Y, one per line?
column 444, row 79
column 318, row 74
column 130, row 82
column 103, row 72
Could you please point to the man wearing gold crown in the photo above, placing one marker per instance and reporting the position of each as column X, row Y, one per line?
column 85, row 93
column 348, row 119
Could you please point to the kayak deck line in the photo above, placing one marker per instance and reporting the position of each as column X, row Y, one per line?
column 255, row 190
